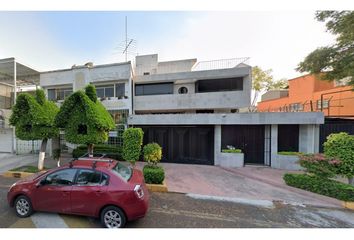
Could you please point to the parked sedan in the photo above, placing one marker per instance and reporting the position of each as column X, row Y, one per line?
column 95, row 187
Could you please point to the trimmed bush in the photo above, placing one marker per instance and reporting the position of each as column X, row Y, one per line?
column 152, row 153
column 289, row 153
column 153, row 174
column 319, row 165
column 327, row 187
column 110, row 151
column 231, row 151
column 132, row 142
column 341, row 146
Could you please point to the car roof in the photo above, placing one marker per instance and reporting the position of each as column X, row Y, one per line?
column 106, row 163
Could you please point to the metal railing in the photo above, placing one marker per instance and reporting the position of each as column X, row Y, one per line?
column 219, row 64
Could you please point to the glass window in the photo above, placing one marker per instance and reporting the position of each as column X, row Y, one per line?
column 122, row 171
column 100, row 92
column 90, row 178
column 183, row 90
column 61, row 177
column 105, row 91
column 217, row 85
column 325, row 104
column 154, row 89
column 109, row 92
column 120, row 89
column 51, row 94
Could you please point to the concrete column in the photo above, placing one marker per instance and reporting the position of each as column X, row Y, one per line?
column 309, row 138
column 217, row 144
column 274, row 143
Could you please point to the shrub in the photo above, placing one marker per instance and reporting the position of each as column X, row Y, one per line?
column 110, row 151
column 153, row 174
column 341, row 146
column 327, row 187
column 132, row 142
column 231, row 151
column 319, row 165
column 290, row 153
column 152, row 153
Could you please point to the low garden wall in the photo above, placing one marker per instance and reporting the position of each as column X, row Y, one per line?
column 231, row 159
column 286, row 162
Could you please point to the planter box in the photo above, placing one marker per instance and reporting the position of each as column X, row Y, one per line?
column 231, row 159
column 349, row 205
column 286, row 162
column 157, row 187
column 13, row 174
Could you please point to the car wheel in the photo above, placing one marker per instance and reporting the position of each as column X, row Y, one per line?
column 113, row 217
column 23, row 206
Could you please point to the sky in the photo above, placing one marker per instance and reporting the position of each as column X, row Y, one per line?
column 50, row 40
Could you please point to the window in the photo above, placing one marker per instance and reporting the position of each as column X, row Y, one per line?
column 153, row 89
column 88, row 177
column 59, row 94
column 146, row 73
column 183, row 90
column 61, row 177
column 325, row 104
column 122, row 171
column 120, row 90
column 105, row 91
column 296, row 107
column 288, row 138
column 218, row 85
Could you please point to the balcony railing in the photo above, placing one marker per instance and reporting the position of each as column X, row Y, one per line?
column 219, row 64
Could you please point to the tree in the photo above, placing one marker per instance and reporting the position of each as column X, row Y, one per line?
column 132, row 142
column 262, row 80
column 335, row 61
column 341, row 146
column 33, row 119
column 84, row 119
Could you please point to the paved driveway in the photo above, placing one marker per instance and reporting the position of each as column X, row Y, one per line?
column 248, row 183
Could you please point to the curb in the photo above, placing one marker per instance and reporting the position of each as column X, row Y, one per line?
column 157, row 187
column 349, row 205
column 15, row 174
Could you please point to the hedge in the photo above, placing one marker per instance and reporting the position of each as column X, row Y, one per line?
column 153, row 174
column 327, row 187
column 110, row 151
column 132, row 142
column 289, row 153
column 152, row 153
column 231, row 151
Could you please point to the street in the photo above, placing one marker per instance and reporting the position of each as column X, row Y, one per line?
column 174, row 210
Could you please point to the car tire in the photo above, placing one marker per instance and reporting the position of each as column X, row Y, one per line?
column 113, row 217
column 23, row 206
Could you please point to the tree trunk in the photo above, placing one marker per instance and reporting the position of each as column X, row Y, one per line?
column 90, row 149
column 351, row 181
column 58, row 162
column 42, row 154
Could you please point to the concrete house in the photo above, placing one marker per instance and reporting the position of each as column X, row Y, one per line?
column 196, row 109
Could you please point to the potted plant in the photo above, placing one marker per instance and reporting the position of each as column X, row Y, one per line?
column 153, row 173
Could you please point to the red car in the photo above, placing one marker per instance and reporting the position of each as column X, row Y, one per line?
column 95, row 187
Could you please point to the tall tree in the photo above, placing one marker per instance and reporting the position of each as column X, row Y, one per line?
column 335, row 61
column 262, row 80
column 84, row 119
column 33, row 119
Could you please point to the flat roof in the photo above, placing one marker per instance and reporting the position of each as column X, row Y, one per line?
column 25, row 75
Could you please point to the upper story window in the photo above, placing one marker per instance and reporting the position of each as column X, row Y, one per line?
column 153, row 89
column 59, row 93
column 183, row 90
column 104, row 91
column 219, row 85
column 325, row 104
column 296, row 107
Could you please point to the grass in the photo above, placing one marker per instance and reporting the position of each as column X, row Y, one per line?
column 28, row 169
column 290, row 153
column 231, row 151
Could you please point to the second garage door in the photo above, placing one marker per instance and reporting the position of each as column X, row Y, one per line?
column 183, row 144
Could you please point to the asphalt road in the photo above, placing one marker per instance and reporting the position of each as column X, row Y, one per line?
column 173, row 210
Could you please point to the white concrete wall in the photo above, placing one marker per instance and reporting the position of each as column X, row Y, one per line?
column 6, row 139
column 309, row 138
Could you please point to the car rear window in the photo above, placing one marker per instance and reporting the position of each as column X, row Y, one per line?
column 122, row 171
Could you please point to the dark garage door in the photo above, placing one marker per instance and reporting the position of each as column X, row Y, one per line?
column 183, row 144
column 248, row 138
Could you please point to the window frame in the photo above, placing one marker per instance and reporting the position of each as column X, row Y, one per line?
column 56, row 93
column 61, row 185
column 142, row 92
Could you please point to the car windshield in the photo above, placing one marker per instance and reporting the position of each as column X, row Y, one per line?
column 122, row 171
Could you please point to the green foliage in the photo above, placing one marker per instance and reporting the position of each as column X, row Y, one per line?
column 335, row 61
column 289, row 153
column 231, row 150
column 28, row 169
column 319, row 165
column 90, row 91
column 322, row 186
column 84, row 121
column 110, row 151
column 153, row 174
column 152, row 153
column 341, row 146
column 132, row 142
column 34, row 120
column 56, row 153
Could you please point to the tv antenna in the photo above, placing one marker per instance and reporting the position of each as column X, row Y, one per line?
column 128, row 46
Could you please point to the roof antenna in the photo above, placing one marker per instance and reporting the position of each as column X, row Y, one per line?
column 128, row 46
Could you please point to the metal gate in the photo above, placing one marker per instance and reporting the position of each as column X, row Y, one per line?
column 183, row 144
column 249, row 138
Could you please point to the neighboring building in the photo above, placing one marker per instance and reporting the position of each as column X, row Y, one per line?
column 309, row 94
column 193, row 111
column 113, row 86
